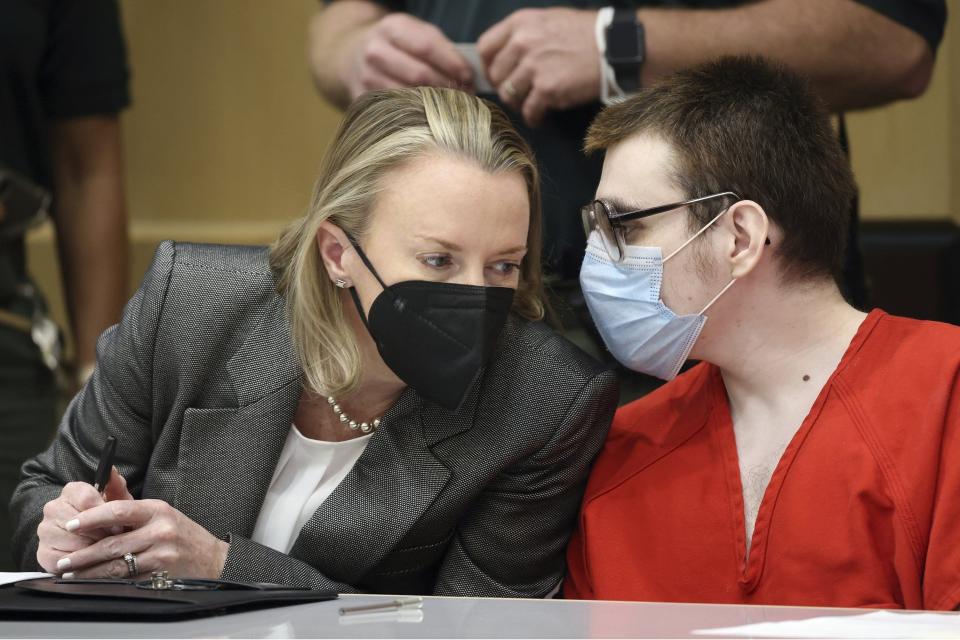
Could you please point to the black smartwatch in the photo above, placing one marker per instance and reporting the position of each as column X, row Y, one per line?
column 626, row 48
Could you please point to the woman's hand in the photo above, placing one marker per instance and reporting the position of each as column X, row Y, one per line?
column 161, row 538
column 56, row 541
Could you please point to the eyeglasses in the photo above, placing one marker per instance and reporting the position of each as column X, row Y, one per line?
column 600, row 216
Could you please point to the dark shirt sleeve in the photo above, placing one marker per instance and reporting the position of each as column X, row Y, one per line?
column 84, row 69
column 926, row 17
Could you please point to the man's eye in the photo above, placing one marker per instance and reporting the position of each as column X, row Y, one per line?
column 436, row 261
column 632, row 232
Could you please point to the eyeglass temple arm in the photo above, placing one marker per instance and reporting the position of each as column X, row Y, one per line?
column 643, row 213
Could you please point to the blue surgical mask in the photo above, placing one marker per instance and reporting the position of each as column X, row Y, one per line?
column 641, row 332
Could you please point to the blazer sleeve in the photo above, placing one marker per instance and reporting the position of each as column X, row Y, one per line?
column 512, row 541
column 249, row 561
column 117, row 400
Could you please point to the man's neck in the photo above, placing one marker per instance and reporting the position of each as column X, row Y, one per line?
column 767, row 350
column 776, row 347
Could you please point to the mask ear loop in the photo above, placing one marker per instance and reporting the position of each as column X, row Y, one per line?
column 691, row 239
column 717, row 297
column 366, row 262
column 359, row 306
column 353, row 290
column 696, row 235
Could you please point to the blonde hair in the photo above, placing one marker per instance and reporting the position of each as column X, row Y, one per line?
column 380, row 131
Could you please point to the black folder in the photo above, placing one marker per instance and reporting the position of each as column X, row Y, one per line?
column 120, row 600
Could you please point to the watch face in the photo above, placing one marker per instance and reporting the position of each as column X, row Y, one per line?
column 625, row 39
column 625, row 49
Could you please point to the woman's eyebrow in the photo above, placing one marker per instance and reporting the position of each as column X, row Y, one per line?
column 446, row 244
column 452, row 246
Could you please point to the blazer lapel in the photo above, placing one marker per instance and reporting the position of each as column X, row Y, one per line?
column 388, row 490
column 228, row 455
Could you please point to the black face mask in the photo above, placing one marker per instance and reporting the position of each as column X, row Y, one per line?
column 436, row 336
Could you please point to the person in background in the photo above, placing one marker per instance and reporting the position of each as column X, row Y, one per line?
column 552, row 62
column 63, row 81
column 813, row 456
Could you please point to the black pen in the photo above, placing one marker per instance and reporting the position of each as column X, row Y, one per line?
column 106, row 464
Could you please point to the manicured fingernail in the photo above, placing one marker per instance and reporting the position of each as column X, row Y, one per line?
column 73, row 525
column 67, row 576
column 63, row 564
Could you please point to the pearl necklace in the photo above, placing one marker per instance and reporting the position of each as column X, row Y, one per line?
column 365, row 427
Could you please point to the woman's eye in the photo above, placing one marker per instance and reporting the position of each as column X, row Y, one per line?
column 506, row 268
column 436, row 261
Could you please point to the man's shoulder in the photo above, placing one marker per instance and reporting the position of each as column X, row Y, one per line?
column 685, row 398
column 656, row 425
column 906, row 350
column 900, row 388
column 923, row 331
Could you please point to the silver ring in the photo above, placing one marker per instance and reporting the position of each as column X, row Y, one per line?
column 131, row 560
column 510, row 89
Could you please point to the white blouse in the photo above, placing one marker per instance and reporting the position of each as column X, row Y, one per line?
column 307, row 473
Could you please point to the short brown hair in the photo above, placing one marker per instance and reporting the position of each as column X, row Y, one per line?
column 750, row 126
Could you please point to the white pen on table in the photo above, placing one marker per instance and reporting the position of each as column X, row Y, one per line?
column 389, row 605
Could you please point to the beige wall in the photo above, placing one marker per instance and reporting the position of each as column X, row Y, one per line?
column 226, row 130
column 226, row 126
column 907, row 155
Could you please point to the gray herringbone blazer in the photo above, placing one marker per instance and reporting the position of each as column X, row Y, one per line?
column 199, row 382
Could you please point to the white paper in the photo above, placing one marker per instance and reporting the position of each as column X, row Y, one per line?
column 877, row 624
column 469, row 51
column 10, row 577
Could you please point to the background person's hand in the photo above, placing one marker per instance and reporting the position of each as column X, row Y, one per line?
column 161, row 537
column 543, row 59
column 402, row 51
column 75, row 498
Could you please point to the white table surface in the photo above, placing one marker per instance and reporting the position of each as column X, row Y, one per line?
column 447, row 618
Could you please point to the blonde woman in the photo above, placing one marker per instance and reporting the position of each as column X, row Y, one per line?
column 370, row 405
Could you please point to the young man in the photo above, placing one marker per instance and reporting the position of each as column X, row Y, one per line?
column 812, row 458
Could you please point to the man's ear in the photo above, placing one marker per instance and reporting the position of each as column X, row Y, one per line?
column 332, row 244
column 748, row 224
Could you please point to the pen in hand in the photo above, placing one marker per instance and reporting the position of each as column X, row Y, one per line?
column 102, row 476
